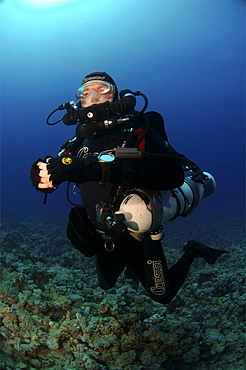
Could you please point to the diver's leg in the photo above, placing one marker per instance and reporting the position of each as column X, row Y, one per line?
column 149, row 264
column 82, row 233
column 178, row 273
column 193, row 249
column 157, row 281
column 148, row 261
column 161, row 283
column 109, row 266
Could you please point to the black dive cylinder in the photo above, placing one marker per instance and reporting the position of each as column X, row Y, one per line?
column 100, row 111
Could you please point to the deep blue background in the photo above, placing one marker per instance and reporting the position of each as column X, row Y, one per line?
column 188, row 57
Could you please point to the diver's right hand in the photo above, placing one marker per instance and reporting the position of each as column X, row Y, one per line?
column 39, row 176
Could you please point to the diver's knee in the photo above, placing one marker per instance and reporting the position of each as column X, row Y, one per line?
column 104, row 287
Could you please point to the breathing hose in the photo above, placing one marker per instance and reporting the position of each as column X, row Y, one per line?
column 95, row 112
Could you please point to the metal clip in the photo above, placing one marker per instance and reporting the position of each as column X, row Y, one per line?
column 109, row 245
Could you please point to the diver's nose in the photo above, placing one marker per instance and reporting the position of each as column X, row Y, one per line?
column 94, row 96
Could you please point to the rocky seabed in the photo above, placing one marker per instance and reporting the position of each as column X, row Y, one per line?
column 54, row 316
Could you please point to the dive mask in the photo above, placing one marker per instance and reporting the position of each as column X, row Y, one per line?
column 100, row 87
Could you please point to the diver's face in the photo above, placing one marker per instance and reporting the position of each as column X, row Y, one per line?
column 96, row 93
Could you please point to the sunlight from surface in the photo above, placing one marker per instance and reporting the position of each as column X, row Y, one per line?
column 43, row 4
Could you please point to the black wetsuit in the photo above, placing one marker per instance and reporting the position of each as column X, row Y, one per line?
column 145, row 258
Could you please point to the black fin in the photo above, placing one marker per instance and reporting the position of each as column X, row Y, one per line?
column 203, row 251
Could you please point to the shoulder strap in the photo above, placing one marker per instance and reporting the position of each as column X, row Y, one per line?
column 157, row 123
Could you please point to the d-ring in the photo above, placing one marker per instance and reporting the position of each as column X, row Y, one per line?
column 109, row 245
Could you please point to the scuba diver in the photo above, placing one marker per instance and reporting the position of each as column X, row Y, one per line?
column 131, row 181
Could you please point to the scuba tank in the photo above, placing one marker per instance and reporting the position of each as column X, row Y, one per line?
column 144, row 211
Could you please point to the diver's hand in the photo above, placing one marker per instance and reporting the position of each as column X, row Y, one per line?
column 40, row 178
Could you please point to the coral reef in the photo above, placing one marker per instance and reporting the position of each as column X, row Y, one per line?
column 54, row 316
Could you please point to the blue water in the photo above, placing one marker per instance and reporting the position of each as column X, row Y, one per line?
column 188, row 57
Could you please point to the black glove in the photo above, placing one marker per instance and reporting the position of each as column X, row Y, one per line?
column 74, row 169
column 36, row 179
